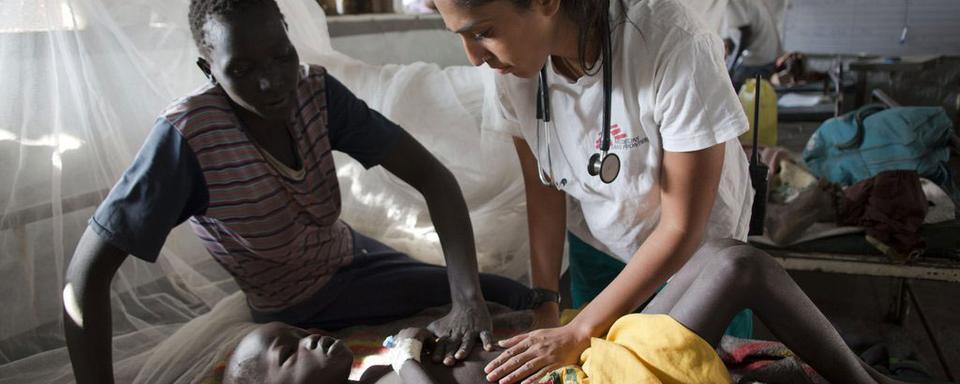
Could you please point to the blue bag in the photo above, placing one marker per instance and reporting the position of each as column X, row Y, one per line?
column 874, row 139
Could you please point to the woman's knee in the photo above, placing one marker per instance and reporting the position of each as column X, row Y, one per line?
column 712, row 247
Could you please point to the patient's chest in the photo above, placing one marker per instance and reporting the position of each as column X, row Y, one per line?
column 466, row 372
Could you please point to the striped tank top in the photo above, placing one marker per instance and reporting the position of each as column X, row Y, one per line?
column 277, row 232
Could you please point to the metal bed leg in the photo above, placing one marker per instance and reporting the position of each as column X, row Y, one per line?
column 928, row 330
column 900, row 307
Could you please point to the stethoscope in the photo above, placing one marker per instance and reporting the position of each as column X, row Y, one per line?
column 603, row 164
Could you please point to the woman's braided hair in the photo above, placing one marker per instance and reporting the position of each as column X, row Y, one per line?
column 202, row 10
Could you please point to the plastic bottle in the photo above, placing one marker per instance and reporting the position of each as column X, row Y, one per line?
column 768, row 112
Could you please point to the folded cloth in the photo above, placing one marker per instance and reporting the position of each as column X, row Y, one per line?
column 764, row 361
column 892, row 207
column 643, row 348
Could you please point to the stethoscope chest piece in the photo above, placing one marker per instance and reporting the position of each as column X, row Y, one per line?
column 606, row 166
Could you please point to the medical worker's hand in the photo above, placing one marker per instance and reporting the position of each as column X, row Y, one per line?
column 457, row 332
column 532, row 355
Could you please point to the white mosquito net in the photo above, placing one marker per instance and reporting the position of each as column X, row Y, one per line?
column 83, row 80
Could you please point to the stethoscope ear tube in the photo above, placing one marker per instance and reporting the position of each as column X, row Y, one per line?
column 607, row 89
column 543, row 96
column 543, row 117
column 603, row 164
column 610, row 163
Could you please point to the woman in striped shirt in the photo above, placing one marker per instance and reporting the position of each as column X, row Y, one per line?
column 247, row 160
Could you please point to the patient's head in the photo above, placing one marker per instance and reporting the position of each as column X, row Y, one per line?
column 244, row 48
column 279, row 353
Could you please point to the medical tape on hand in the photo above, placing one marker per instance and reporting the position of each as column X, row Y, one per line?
column 404, row 350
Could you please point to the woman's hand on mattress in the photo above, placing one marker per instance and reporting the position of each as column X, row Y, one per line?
column 532, row 355
column 457, row 332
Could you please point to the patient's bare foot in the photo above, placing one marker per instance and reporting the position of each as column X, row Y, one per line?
column 785, row 223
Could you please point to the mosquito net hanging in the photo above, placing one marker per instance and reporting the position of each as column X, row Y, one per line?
column 83, row 80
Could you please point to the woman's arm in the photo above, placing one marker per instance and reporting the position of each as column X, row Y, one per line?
column 546, row 223
column 689, row 183
column 468, row 317
column 86, row 308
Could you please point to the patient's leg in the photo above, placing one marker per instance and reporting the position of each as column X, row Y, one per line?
column 664, row 301
column 741, row 277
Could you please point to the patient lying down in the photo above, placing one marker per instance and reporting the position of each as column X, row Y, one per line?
column 673, row 340
column 280, row 353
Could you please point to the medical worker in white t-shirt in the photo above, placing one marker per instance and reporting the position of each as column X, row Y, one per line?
column 674, row 122
column 754, row 24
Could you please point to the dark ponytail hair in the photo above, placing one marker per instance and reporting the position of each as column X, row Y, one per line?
column 592, row 16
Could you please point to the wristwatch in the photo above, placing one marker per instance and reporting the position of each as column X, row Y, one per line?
column 540, row 296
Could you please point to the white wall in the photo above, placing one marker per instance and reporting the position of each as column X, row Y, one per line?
column 435, row 46
column 873, row 27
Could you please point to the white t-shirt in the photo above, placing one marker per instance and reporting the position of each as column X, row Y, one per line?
column 671, row 92
column 764, row 47
column 778, row 9
column 712, row 12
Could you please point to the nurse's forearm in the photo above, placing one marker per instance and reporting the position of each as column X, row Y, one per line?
column 546, row 222
column 660, row 256
column 547, row 230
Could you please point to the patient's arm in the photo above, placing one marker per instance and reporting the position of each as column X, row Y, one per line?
column 412, row 372
column 86, row 312
column 746, row 36
column 467, row 371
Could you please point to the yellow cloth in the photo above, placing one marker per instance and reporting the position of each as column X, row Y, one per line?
column 647, row 349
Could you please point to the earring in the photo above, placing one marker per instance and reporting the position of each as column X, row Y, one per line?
column 205, row 68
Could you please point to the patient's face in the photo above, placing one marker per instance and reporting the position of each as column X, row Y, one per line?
column 284, row 354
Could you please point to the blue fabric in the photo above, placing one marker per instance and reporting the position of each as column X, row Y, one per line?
column 904, row 138
column 592, row 270
column 383, row 285
column 355, row 129
column 162, row 188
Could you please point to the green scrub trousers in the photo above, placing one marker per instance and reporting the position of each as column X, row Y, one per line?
column 592, row 270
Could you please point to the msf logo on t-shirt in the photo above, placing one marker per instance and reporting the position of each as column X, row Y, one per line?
column 620, row 140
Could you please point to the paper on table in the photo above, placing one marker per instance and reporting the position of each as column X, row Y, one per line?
column 790, row 100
